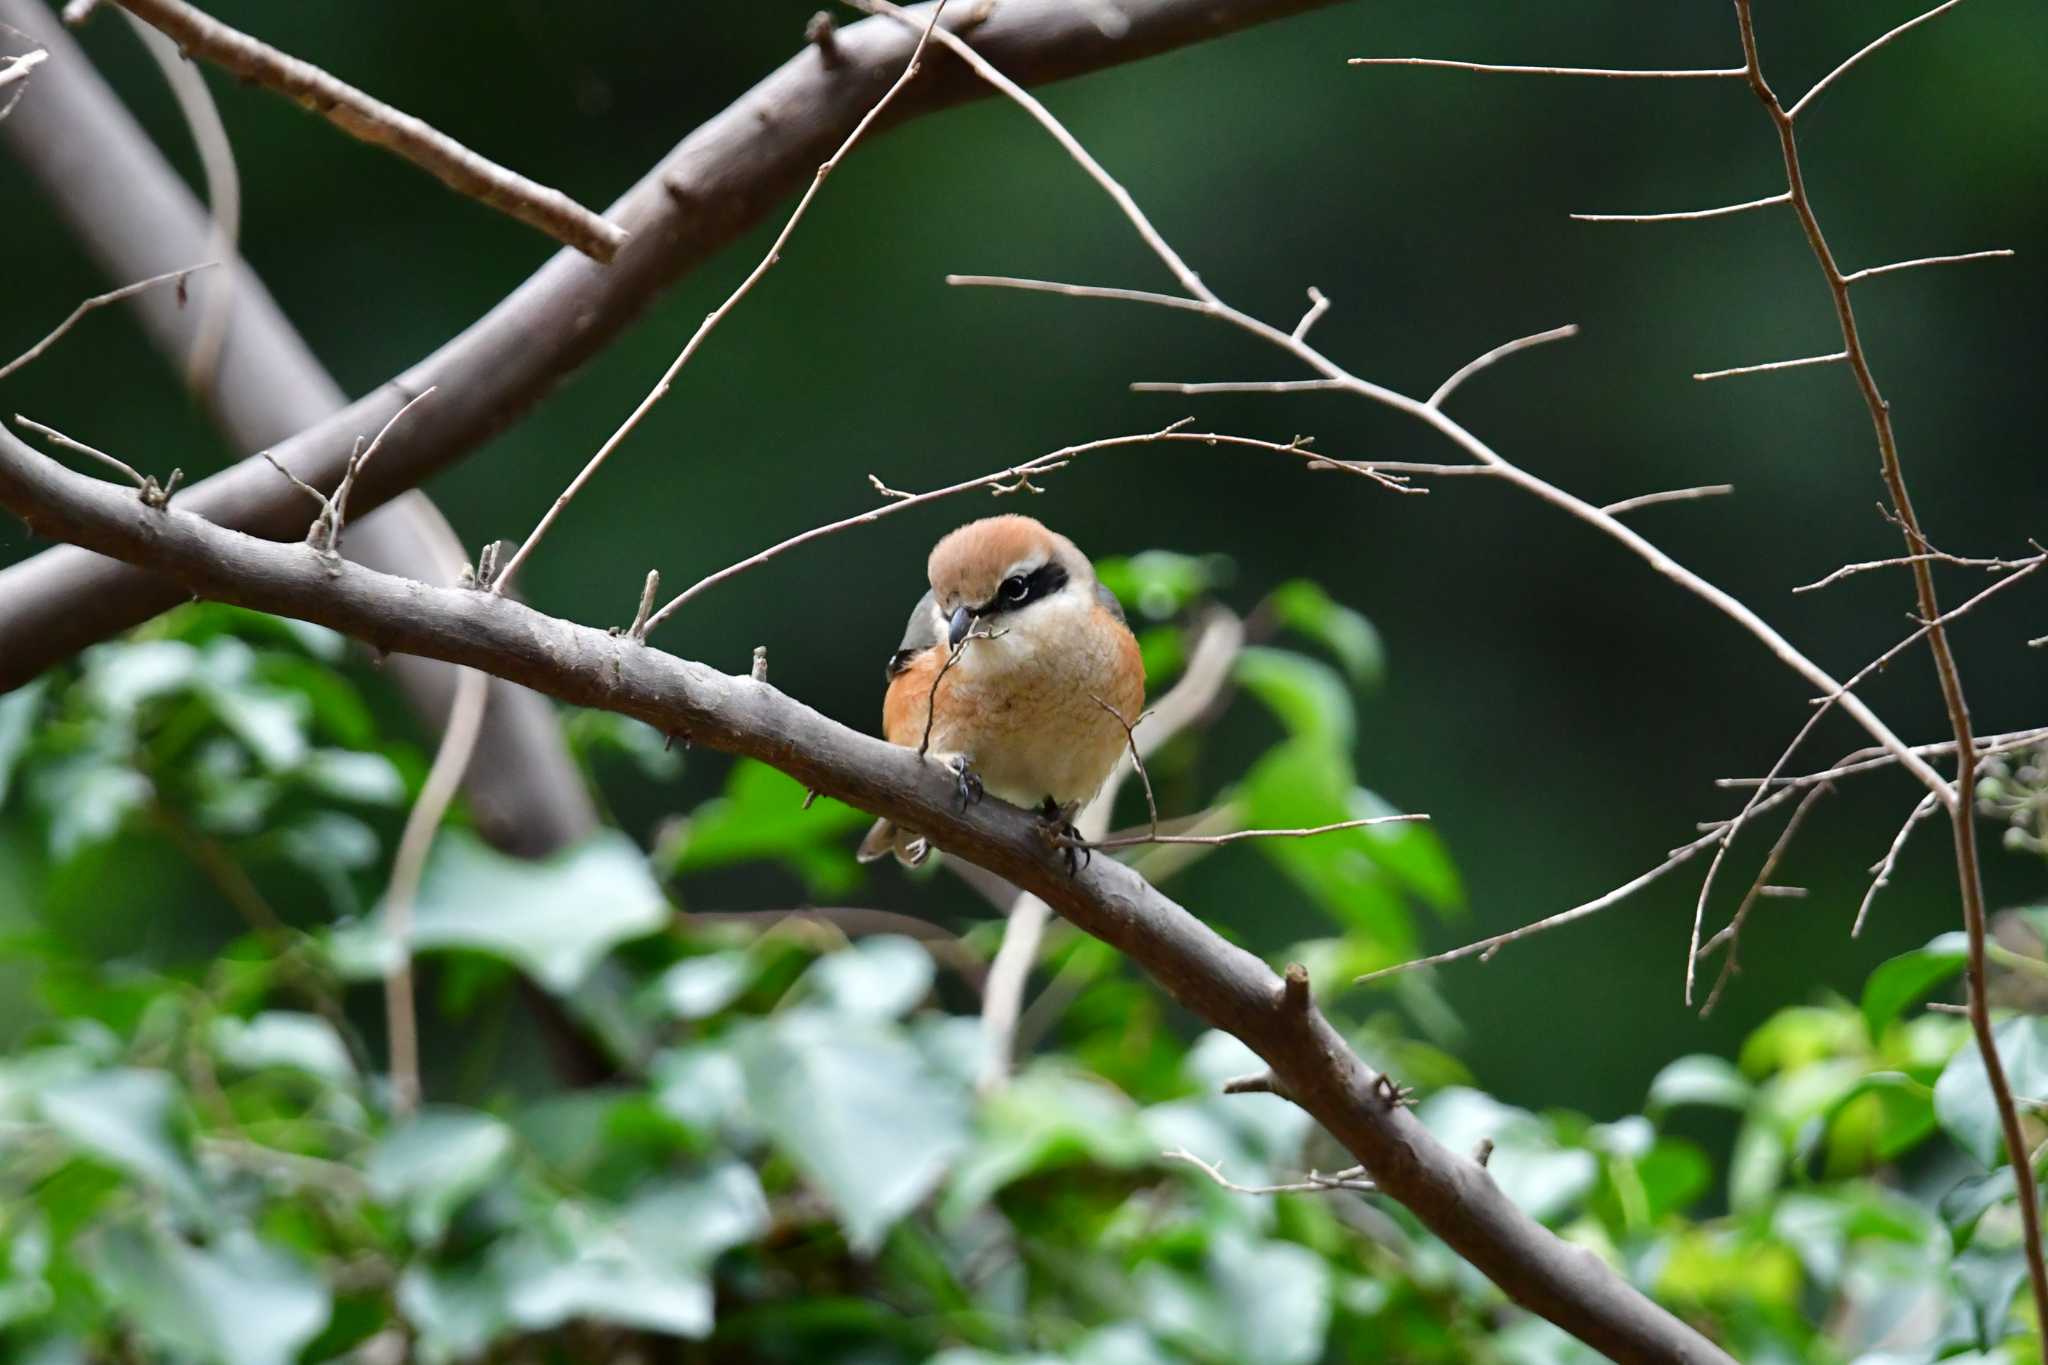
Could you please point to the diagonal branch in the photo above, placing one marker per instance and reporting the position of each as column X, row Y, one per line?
column 717, row 183
column 1223, row 984
column 375, row 122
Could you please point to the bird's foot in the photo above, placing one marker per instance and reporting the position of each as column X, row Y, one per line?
column 1058, row 824
column 966, row 781
column 1391, row 1092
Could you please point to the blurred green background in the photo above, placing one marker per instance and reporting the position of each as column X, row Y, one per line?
column 1557, row 708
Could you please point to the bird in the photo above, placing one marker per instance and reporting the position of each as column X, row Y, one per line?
column 1016, row 671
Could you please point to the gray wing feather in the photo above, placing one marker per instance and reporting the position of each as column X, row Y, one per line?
column 1108, row 601
column 919, row 635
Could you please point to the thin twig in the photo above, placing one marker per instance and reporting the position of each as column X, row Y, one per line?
column 1688, row 215
column 1867, row 759
column 1961, row 801
column 1923, row 808
column 1732, row 934
column 362, row 116
column 1505, row 349
column 1485, row 948
column 451, row 760
column 18, row 67
column 100, row 301
column 1137, row 761
column 1932, row 556
column 1605, row 72
column 325, row 532
column 1238, row 836
column 223, row 198
column 714, row 317
column 1915, row 264
column 638, row 630
column 1821, row 708
column 1224, row 386
column 1351, row 1178
column 1825, row 81
column 1832, row 358
column 1318, row 304
column 153, row 494
column 1642, row 500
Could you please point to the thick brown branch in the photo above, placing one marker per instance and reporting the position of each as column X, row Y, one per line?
column 721, row 180
column 1223, row 984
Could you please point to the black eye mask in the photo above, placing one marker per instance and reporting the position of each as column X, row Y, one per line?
column 1021, row 590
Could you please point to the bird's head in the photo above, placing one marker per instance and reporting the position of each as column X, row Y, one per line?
column 1002, row 567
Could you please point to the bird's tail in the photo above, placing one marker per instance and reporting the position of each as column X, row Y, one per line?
column 910, row 847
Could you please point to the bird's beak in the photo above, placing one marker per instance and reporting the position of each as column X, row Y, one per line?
column 957, row 626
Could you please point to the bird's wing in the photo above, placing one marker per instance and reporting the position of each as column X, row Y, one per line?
column 1107, row 601
column 922, row 632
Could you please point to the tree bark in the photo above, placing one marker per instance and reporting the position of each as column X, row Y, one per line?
column 718, row 182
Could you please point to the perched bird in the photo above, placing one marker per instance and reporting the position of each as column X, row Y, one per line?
column 1009, row 672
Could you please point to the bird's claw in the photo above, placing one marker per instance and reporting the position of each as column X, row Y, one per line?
column 966, row 781
column 1059, row 830
column 1391, row 1092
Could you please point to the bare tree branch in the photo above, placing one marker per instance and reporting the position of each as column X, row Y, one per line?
column 1687, row 215
column 1610, row 73
column 1832, row 358
column 1963, row 801
column 100, row 301
column 1925, row 260
column 720, row 180
column 375, row 122
column 1223, row 984
column 132, row 212
column 504, row 576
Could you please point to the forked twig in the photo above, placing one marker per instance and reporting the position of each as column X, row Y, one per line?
column 1316, row 1182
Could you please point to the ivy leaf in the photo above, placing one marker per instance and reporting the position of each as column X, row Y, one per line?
column 699, row 987
column 88, row 798
column 236, row 1302
column 761, row 817
column 553, row 918
column 1302, row 606
column 434, row 1162
column 1699, row 1079
column 1899, row 981
column 1962, row 1096
column 882, row 977
column 1546, row 1180
column 1275, row 1297
column 1307, row 696
column 859, row 1111
column 125, row 1118
column 1045, row 1118
column 353, row 775
column 18, row 712
column 285, row 1038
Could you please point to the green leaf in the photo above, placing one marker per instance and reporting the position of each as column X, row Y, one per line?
column 121, row 677
column 1962, row 1097
column 882, row 977
column 283, row 1038
column 699, row 987
column 702, row 1086
column 1303, row 606
column 270, row 720
column 554, row 918
column 762, row 817
column 1159, row 583
column 18, row 712
column 88, row 799
column 1274, row 1297
column 1307, row 696
column 858, row 1110
column 1899, row 981
column 352, row 775
column 1301, row 784
column 434, row 1162
column 1701, row 1079
column 1046, row 1118
column 236, row 1302
column 125, row 1118
column 1971, row 1198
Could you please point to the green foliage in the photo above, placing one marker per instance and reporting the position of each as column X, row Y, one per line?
column 793, row 1158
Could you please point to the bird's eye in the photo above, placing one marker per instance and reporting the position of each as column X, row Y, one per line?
column 1016, row 589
